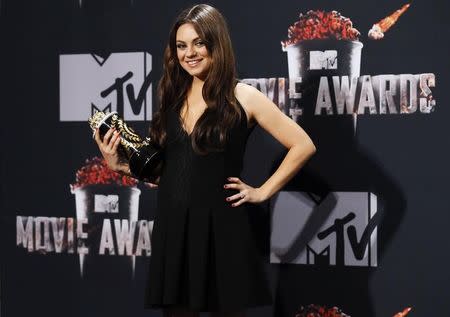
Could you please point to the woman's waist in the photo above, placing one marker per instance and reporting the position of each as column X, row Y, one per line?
column 195, row 188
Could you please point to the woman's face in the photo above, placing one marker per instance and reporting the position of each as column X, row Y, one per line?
column 192, row 52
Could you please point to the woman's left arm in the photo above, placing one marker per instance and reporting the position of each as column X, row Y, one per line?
column 282, row 128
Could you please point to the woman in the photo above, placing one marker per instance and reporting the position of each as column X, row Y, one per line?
column 203, row 255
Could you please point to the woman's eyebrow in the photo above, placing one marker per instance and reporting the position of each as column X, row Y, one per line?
column 197, row 38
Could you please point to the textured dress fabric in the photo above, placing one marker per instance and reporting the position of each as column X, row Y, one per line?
column 204, row 256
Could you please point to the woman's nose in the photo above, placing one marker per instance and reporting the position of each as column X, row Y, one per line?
column 191, row 51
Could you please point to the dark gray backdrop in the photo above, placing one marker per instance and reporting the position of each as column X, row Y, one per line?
column 407, row 156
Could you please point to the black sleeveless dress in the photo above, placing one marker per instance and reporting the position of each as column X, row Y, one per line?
column 204, row 256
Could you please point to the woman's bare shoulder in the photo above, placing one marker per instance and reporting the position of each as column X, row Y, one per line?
column 245, row 91
column 245, row 94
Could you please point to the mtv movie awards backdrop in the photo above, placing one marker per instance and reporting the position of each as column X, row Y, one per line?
column 360, row 231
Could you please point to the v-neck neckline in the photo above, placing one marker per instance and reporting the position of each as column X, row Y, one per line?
column 184, row 130
column 180, row 121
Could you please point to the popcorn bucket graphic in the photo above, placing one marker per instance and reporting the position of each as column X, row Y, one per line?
column 103, row 208
column 320, row 45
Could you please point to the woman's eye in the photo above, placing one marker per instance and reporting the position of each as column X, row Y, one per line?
column 200, row 43
column 180, row 45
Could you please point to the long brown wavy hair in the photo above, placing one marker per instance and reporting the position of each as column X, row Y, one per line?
column 210, row 132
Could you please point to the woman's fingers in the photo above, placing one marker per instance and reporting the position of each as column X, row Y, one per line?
column 108, row 147
column 234, row 179
column 112, row 141
column 97, row 137
column 232, row 185
column 116, row 143
column 239, row 195
column 237, row 183
column 246, row 192
column 239, row 202
column 107, row 136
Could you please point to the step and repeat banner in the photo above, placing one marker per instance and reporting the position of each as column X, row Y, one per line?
column 360, row 231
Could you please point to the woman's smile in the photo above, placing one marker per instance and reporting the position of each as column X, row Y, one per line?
column 194, row 63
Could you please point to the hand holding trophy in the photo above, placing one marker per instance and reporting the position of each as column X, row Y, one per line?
column 124, row 150
column 108, row 147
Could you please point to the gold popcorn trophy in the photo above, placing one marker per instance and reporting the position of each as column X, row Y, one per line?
column 144, row 158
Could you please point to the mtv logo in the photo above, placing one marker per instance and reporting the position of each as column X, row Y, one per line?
column 119, row 82
column 340, row 230
column 323, row 59
column 106, row 203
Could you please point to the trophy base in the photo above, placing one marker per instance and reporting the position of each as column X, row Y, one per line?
column 146, row 164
